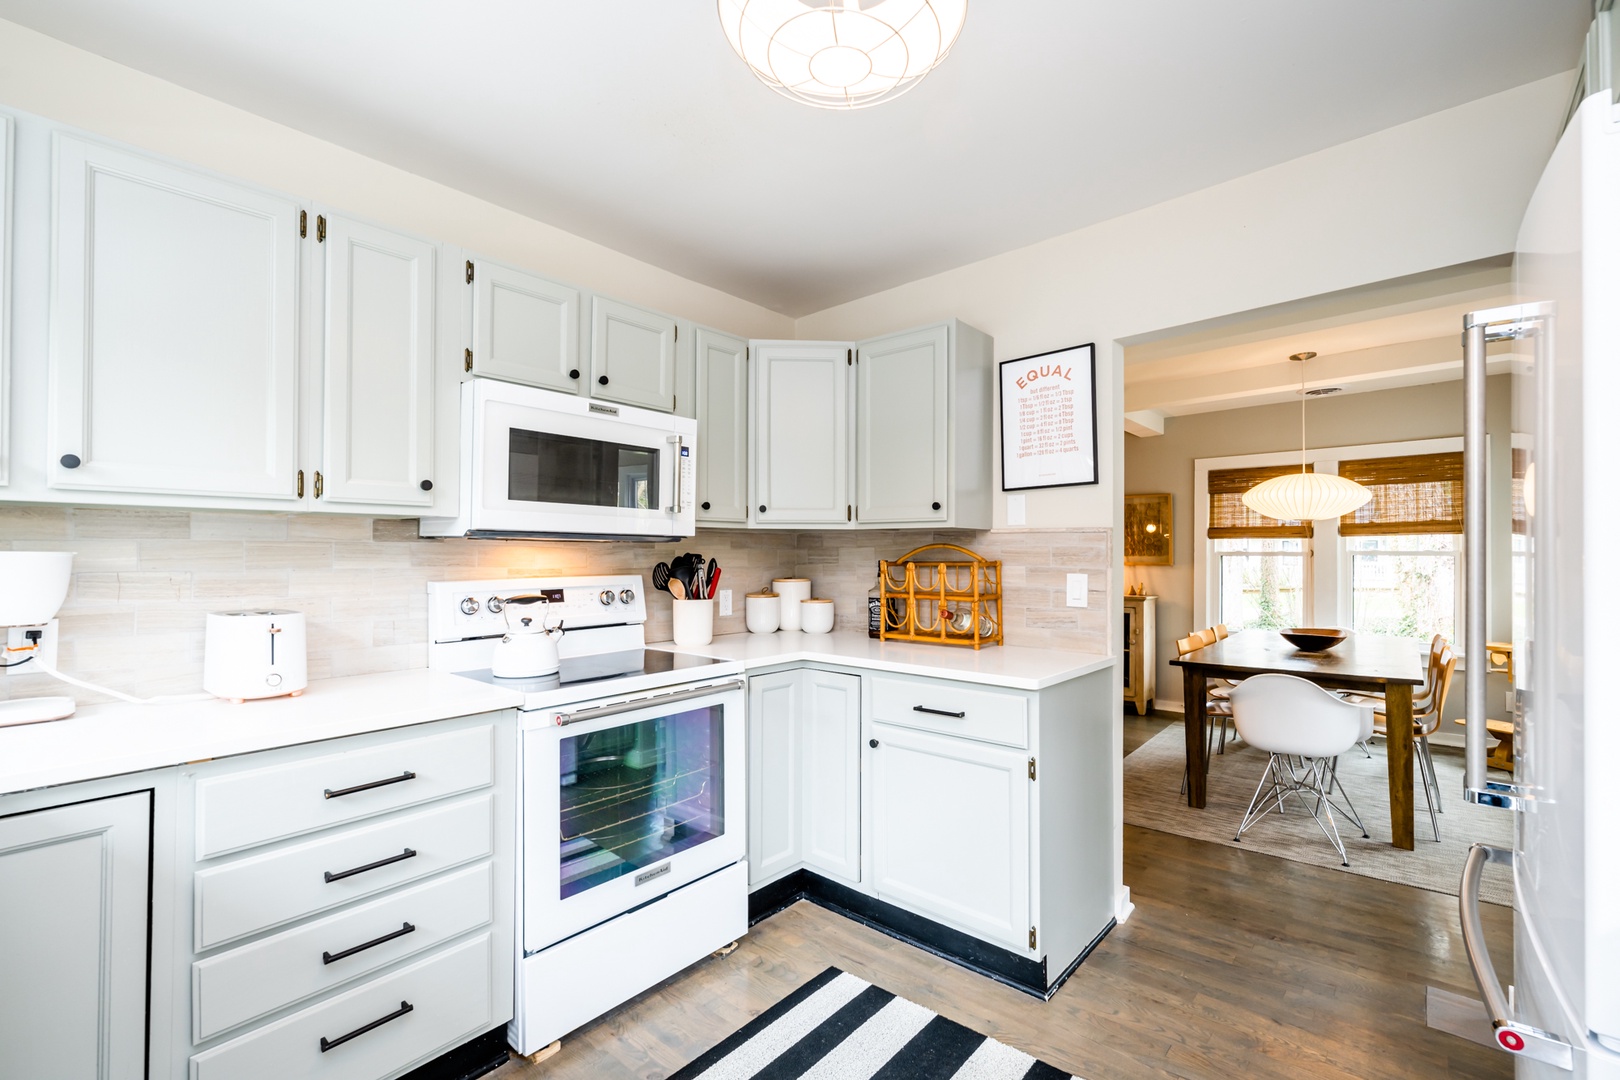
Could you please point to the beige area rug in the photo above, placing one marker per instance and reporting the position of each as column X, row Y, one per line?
column 1153, row 801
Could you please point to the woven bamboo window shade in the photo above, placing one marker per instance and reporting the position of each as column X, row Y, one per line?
column 1229, row 519
column 1521, row 512
column 1421, row 493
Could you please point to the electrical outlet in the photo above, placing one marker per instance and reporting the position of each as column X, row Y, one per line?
column 725, row 602
column 1077, row 589
column 17, row 647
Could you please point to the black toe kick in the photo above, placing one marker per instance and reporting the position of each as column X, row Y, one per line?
column 1019, row 972
column 478, row 1057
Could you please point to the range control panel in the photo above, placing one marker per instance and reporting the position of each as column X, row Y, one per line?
column 462, row 610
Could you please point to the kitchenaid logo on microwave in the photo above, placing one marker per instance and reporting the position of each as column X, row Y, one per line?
column 648, row 875
column 605, row 410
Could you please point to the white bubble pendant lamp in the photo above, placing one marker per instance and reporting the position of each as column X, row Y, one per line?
column 1305, row 496
column 842, row 54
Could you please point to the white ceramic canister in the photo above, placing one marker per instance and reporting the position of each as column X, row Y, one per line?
column 694, row 622
column 763, row 612
column 816, row 615
column 792, row 590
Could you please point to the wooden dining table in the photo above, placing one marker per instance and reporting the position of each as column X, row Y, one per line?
column 1361, row 662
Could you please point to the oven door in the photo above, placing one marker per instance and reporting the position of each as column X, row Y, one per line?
column 625, row 800
column 544, row 462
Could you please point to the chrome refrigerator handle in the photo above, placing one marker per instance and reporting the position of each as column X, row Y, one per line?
column 1510, row 1035
column 1479, row 328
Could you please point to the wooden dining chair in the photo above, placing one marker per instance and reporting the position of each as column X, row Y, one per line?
column 1220, row 631
column 1425, row 720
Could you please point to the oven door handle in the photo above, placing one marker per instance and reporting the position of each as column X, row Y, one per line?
column 564, row 718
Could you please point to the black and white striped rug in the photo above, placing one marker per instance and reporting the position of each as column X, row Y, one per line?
column 838, row 1027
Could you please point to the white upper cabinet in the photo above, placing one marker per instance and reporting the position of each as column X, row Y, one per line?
column 525, row 329
column 632, row 355
column 902, row 416
column 722, row 416
column 174, row 330
column 800, row 434
column 377, row 378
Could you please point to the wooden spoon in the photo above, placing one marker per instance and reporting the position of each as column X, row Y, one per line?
column 677, row 589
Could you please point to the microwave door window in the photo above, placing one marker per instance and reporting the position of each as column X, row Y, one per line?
column 634, row 795
column 567, row 470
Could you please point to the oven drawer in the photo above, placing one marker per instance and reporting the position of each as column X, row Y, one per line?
column 263, row 891
column 448, row 995
column 244, row 984
column 951, row 709
column 243, row 809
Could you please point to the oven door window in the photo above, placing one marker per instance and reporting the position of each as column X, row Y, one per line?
column 564, row 469
column 634, row 795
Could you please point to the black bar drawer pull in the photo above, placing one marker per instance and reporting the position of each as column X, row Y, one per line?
column 400, row 779
column 408, row 853
column 404, row 1007
column 332, row 957
column 937, row 712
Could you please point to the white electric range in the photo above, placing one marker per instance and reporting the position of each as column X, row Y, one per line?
column 632, row 806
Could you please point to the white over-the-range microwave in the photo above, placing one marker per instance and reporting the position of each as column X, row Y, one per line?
column 537, row 463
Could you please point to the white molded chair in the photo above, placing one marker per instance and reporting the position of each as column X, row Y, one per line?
column 1304, row 728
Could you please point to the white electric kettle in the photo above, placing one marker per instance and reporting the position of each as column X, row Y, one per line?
column 529, row 649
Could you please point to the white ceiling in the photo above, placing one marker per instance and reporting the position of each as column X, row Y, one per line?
column 630, row 122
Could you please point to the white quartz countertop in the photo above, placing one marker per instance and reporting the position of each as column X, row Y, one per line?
column 1011, row 666
column 111, row 740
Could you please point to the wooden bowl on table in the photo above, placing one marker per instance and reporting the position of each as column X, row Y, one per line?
column 1313, row 638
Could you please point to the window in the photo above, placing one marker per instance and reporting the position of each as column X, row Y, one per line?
column 1405, row 586
column 1262, row 582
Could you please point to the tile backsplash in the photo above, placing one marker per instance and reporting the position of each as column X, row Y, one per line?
column 144, row 580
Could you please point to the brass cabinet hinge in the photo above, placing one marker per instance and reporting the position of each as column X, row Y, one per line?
column 320, row 228
column 1032, row 937
column 300, row 483
column 303, row 224
column 677, row 333
column 748, row 353
column 1032, row 776
column 320, row 486
column 849, row 512
column 466, row 363
column 469, row 272
column 849, row 357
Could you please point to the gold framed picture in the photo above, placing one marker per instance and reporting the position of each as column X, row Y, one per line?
column 1149, row 531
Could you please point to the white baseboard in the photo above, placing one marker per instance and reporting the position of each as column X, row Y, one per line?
column 1123, row 906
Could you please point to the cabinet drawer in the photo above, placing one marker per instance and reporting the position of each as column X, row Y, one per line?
column 257, row 893
column 449, row 998
column 243, row 809
column 244, row 984
column 951, row 709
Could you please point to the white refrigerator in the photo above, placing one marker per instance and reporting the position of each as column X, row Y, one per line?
column 1561, row 1014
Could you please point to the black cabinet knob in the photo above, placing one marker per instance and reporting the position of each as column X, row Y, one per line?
column 936, row 506
column 762, row 508
column 573, row 373
column 602, row 379
column 705, row 506
column 872, row 743
column 71, row 461
column 426, row 485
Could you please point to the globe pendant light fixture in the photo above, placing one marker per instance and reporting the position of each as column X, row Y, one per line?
column 1305, row 496
column 842, row 54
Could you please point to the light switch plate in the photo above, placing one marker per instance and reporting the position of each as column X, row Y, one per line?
column 1077, row 589
column 724, row 596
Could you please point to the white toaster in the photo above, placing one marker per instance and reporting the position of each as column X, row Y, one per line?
column 254, row 654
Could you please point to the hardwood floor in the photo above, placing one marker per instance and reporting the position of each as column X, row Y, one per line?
column 1234, row 964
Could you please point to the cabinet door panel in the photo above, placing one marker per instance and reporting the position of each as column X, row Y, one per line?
column 174, row 310
column 525, row 328
column 773, row 784
column 800, row 424
column 901, row 416
column 73, row 912
column 722, row 416
column 950, row 832
column 830, row 726
column 377, row 435
column 634, row 350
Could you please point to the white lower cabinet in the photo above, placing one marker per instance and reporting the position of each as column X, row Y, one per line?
column 951, row 831
column 804, row 774
column 74, row 891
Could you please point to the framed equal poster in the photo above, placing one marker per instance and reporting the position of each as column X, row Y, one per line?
column 1049, row 419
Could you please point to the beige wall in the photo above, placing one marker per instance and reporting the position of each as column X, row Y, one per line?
column 1165, row 464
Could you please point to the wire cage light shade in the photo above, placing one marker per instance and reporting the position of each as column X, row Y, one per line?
column 842, row 54
column 1306, row 496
